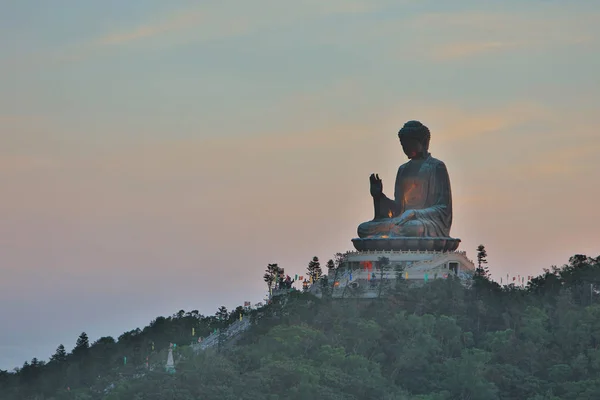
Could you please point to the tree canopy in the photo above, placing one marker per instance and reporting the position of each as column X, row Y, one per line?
column 439, row 341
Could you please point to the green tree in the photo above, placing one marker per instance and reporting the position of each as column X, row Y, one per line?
column 60, row 355
column 82, row 345
column 271, row 275
column 235, row 314
column 333, row 266
column 338, row 259
column 441, row 341
column 222, row 314
column 314, row 269
column 482, row 269
column 384, row 267
column 330, row 265
column 467, row 377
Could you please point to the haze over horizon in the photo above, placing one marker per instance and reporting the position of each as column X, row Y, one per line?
column 156, row 156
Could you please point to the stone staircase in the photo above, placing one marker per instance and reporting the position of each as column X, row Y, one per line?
column 232, row 331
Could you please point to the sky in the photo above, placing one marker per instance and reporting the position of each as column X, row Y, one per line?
column 156, row 156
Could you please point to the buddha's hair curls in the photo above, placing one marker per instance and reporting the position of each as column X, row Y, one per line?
column 415, row 130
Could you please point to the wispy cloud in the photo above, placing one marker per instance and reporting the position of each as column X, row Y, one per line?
column 451, row 36
column 461, row 50
column 221, row 20
column 173, row 23
column 453, row 123
column 565, row 162
column 257, row 154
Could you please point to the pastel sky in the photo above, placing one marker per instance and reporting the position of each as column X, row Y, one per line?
column 156, row 156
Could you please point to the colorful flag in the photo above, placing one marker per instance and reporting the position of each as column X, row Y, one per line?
column 368, row 265
column 350, row 276
column 124, row 360
column 193, row 332
column 336, row 283
column 426, row 277
column 240, row 316
column 368, row 277
column 406, row 276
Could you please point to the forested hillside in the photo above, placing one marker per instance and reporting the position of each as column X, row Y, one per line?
column 438, row 341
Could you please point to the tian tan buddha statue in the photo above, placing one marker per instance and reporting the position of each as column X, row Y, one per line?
column 420, row 214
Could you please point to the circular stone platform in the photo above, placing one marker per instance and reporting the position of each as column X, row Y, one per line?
column 406, row 244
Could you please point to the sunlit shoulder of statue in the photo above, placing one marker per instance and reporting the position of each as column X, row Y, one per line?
column 422, row 203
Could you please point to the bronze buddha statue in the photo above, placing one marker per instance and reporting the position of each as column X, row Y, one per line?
column 420, row 215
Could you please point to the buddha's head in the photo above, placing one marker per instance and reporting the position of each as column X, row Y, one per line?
column 414, row 138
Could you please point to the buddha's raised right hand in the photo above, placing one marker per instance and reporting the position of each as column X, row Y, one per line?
column 376, row 186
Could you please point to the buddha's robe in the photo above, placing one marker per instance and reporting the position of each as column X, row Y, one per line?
column 422, row 186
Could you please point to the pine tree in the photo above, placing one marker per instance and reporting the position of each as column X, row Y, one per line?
column 26, row 372
column 82, row 345
column 222, row 314
column 330, row 265
column 482, row 270
column 60, row 355
column 314, row 269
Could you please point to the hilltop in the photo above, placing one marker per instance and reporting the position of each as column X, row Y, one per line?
column 442, row 340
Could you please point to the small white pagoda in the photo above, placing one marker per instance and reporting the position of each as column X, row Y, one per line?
column 170, row 367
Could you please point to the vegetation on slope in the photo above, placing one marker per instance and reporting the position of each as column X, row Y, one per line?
column 438, row 341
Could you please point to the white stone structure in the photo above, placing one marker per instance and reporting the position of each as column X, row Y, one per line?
column 414, row 263
column 170, row 367
column 417, row 267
